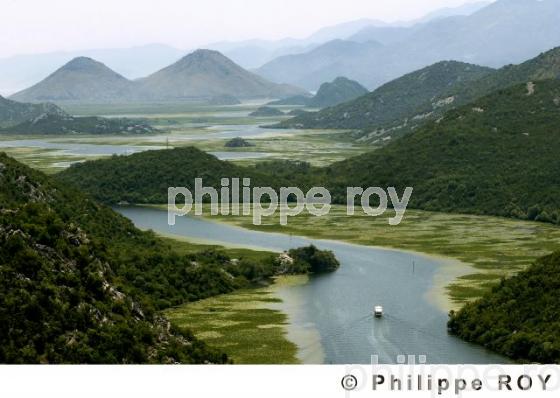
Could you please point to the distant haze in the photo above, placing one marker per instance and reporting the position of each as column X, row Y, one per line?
column 38, row 26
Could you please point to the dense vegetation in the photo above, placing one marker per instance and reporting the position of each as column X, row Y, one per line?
column 66, row 124
column 391, row 104
column 238, row 142
column 519, row 318
column 145, row 177
column 496, row 156
column 312, row 260
column 336, row 92
column 80, row 284
column 402, row 105
column 65, row 293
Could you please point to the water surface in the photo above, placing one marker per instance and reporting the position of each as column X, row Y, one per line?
column 339, row 305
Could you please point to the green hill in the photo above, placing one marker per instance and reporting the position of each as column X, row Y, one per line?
column 391, row 104
column 144, row 177
column 80, row 284
column 405, row 103
column 495, row 156
column 545, row 66
column 336, row 92
column 519, row 317
column 66, row 124
column 13, row 113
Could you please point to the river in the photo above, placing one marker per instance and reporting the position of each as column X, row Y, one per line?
column 339, row 305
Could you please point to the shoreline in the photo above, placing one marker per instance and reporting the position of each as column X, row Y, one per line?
column 448, row 271
column 303, row 335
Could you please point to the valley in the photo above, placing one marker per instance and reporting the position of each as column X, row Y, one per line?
column 182, row 124
column 95, row 147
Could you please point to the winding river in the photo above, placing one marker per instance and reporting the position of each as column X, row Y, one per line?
column 339, row 305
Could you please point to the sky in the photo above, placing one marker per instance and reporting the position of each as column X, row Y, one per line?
column 37, row 26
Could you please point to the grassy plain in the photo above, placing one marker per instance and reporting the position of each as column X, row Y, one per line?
column 494, row 247
column 249, row 325
column 190, row 124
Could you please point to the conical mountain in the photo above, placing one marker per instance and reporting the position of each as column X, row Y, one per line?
column 207, row 74
column 82, row 79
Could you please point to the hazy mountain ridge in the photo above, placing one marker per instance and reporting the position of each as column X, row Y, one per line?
column 203, row 74
column 322, row 64
column 21, row 71
column 504, row 32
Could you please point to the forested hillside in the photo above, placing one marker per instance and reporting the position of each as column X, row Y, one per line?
column 495, row 156
column 80, row 284
column 390, row 105
column 519, row 318
column 406, row 103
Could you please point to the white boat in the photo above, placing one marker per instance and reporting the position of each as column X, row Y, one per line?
column 378, row 311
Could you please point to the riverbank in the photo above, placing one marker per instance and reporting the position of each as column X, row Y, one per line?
column 254, row 326
column 339, row 305
column 476, row 251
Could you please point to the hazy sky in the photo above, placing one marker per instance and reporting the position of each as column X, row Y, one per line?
column 28, row 26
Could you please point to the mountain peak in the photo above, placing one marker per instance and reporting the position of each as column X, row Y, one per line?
column 204, row 55
column 208, row 73
column 81, row 79
column 88, row 65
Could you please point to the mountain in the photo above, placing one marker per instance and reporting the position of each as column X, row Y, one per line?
column 82, row 79
column 254, row 53
column 13, row 113
column 21, row 71
column 206, row 74
column 511, row 30
column 544, row 66
column 65, row 124
column 495, row 156
column 505, row 319
column 336, row 92
column 324, row 63
column 203, row 74
column 391, row 104
column 405, row 103
column 67, row 272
